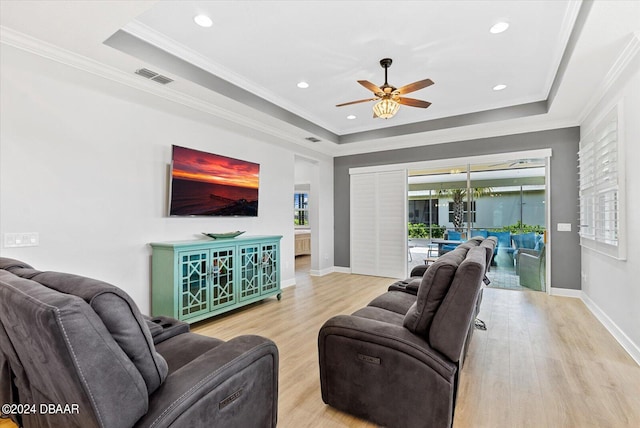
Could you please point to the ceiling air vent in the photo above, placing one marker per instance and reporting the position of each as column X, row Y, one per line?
column 313, row 139
column 145, row 72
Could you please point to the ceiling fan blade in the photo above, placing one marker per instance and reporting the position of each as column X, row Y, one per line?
column 370, row 86
column 411, row 87
column 412, row 102
column 355, row 102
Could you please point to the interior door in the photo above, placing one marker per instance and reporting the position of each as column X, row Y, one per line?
column 378, row 223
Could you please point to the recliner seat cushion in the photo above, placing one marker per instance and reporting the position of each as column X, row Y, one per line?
column 434, row 286
column 121, row 317
column 379, row 314
column 395, row 301
column 180, row 350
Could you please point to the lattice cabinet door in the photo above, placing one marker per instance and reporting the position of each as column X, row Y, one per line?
column 249, row 271
column 222, row 277
column 194, row 288
column 269, row 267
column 197, row 279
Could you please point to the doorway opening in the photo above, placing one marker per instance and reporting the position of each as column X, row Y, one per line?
column 304, row 211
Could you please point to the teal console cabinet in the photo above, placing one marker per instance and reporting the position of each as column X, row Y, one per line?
column 194, row 280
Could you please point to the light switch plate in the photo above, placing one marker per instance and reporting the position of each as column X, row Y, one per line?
column 564, row 227
column 21, row 239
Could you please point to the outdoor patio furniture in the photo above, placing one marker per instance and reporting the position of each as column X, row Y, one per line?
column 532, row 268
column 526, row 241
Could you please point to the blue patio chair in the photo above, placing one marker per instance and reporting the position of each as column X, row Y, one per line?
column 504, row 247
column 452, row 235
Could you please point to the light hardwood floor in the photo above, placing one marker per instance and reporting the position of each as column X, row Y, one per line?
column 544, row 361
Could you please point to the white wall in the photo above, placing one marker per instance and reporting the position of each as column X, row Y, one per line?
column 84, row 162
column 303, row 170
column 611, row 288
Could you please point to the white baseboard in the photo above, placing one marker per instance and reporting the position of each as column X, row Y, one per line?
column 322, row 272
column 341, row 269
column 288, row 283
column 566, row 292
column 632, row 349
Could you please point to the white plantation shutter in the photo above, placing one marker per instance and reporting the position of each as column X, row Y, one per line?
column 378, row 224
column 363, row 224
column 602, row 188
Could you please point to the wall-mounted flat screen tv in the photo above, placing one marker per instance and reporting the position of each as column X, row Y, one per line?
column 205, row 184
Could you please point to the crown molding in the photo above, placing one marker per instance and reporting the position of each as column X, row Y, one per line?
column 325, row 148
column 55, row 53
column 159, row 40
column 619, row 66
column 568, row 28
column 468, row 133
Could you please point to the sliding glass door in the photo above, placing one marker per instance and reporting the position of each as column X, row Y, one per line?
column 505, row 200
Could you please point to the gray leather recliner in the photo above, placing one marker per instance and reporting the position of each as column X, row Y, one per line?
column 396, row 362
column 80, row 352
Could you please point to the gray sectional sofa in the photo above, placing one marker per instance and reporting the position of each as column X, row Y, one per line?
column 82, row 345
column 396, row 361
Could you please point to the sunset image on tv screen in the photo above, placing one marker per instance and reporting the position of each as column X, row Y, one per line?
column 212, row 185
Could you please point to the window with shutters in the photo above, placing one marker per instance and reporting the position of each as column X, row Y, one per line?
column 602, row 187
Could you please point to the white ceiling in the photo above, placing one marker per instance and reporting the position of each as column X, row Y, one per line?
column 266, row 47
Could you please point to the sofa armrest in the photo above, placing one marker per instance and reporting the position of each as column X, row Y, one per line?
column 390, row 336
column 163, row 328
column 418, row 270
column 234, row 384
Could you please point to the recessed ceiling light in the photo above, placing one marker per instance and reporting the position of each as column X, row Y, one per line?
column 351, row 116
column 302, row 85
column 499, row 87
column 499, row 27
column 203, row 21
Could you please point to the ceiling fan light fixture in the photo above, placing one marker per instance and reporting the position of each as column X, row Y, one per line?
column 302, row 85
column 389, row 97
column 499, row 87
column 386, row 108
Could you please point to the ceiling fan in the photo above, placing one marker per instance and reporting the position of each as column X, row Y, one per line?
column 389, row 96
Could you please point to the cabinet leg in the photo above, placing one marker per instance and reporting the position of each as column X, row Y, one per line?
column 279, row 296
